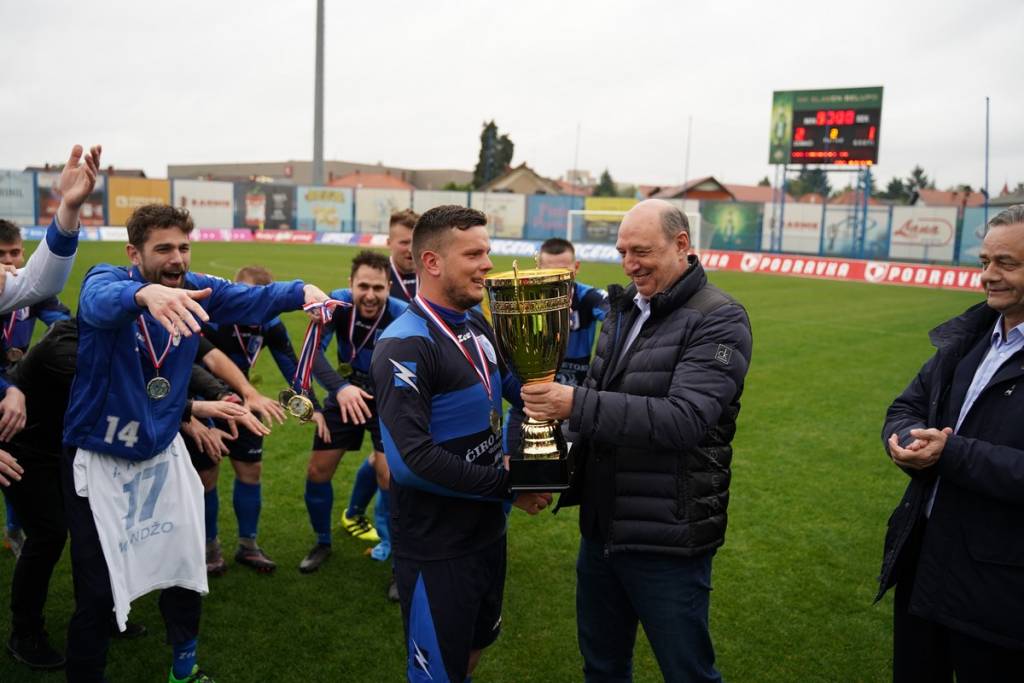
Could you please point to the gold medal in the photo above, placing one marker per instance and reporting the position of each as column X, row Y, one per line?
column 495, row 421
column 14, row 354
column 158, row 388
column 284, row 396
column 301, row 407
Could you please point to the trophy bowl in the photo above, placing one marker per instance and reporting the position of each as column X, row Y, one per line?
column 530, row 316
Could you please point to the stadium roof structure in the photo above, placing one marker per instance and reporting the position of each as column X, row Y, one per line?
column 522, row 180
column 926, row 197
column 699, row 188
column 377, row 181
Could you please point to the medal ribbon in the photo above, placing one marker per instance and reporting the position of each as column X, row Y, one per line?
column 401, row 283
column 369, row 334
column 485, row 377
column 311, row 342
column 245, row 349
column 157, row 362
column 9, row 328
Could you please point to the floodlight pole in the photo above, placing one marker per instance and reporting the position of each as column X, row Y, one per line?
column 986, row 161
column 318, row 99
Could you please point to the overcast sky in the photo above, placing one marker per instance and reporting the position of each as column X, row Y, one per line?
column 410, row 83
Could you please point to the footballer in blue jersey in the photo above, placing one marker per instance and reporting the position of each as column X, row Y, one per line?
column 242, row 344
column 350, row 409
column 403, row 271
column 440, row 383
column 16, row 330
column 589, row 307
column 138, row 335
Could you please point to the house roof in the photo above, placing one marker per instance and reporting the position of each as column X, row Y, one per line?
column 705, row 184
column 382, row 181
column 756, row 193
column 572, row 189
column 943, row 198
column 852, row 197
column 1008, row 199
column 520, row 173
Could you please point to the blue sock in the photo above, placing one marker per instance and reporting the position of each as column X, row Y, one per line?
column 362, row 490
column 319, row 501
column 248, row 501
column 212, row 501
column 184, row 659
column 13, row 523
column 381, row 513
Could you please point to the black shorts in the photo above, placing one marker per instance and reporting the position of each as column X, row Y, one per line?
column 450, row 608
column 248, row 447
column 346, row 435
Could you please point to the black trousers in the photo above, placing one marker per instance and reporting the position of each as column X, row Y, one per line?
column 38, row 501
column 89, row 629
column 927, row 652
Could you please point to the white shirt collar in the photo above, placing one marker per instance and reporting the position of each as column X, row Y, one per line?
column 642, row 302
column 997, row 333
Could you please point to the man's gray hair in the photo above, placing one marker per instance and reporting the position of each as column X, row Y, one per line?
column 673, row 222
column 1013, row 215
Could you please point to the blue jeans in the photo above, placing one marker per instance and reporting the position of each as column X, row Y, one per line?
column 669, row 595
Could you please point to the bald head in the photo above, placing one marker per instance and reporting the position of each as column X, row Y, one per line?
column 668, row 216
column 654, row 239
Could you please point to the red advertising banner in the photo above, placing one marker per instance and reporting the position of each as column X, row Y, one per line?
column 849, row 270
column 289, row 236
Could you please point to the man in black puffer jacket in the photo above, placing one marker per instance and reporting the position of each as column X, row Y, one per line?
column 653, row 428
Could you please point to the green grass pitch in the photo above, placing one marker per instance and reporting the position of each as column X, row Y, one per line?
column 793, row 584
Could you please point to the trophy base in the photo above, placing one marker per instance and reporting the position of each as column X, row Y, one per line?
column 527, row 472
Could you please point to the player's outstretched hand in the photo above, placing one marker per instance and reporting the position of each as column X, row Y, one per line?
column 352, row 403
column 222, row 410
column 9, row 469
column 313, row 295
column 76, row 183
column 250, row 422
column 532, row 503
column 209, row 441
column 12, row 413
column 266, row 408
column 176, row 309
column 321, row 427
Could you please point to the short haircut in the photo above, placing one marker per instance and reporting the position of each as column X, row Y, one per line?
column 9, row 232
column 434, row 226
column 371, row 259
column 673, row 222
column 257, row 274
column 407, row 218
column 556, row 246
column 156, row 217
column 1013, row 215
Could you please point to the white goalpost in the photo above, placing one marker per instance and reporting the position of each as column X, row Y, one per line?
column 612, row 219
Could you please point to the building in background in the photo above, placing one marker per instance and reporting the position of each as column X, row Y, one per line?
column 301, row 172
column 523, row 180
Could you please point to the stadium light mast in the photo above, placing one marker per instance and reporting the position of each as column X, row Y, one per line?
column 986, row 162
column 318, row 99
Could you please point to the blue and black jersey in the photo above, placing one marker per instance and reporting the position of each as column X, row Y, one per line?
column 24, row 322
column 449, row 485
column 242, row 343
column 110, row 411
column 338, row 328
column 403, row 285
column 589, row 305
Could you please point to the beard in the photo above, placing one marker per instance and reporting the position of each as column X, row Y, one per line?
column 460, row 297
column 163, row 276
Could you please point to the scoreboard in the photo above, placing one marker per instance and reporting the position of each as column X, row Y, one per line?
column 838, row 127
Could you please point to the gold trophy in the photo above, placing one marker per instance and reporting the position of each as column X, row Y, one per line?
column 530, row 315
